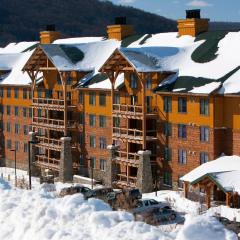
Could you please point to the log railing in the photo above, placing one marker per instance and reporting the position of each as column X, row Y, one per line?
column 124, row 132
column 128, row 180
column 52, row 102
column 49, row 141
column 45, row 160
column 128, row 156
column 133, row 109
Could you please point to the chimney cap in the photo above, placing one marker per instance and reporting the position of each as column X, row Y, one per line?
column 50, row 27
column 194, row 13
column 120, row 20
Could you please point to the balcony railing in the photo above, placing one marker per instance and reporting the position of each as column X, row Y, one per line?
column 53, row 123
column 51, row 102
column 133, row 110
column 128, row 133
column 122, row 179
column 130, row 158
column 49, row 142
column 44, row 161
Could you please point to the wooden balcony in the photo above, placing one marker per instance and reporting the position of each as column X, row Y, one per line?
column 52, row 104
column 133, row 111
column 45, row 162
column 126, row 181
column 53, row 124
column 126, row 158
column 132, row 135
column 49, row 143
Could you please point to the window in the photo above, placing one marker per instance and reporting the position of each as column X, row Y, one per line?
column 16, row 111
column 102, row 99
column 102, row 121
column 8, row 110
column 167, row 104
column 24, row 112
column 25, row 129
column 93, row 141
column 148, row 83
column 92, row 98
column 133, row 81
column 1, row 92
column 81, row 97
column 69, row 96
column 93, row 162
column 116, row 121
column 17, row 145
column 8, row 127
column 167, row 178
column 1, row 109
column 48, row 93
column 167, row 129
column 180, row 182
column 40, row 93
column 167, row 154
column 30, row 94
column 25, row 94
column 81, row 139
column 59, row 81
column 69, row 80
column 182, row 105
column 15, row 92
column 102, row 164
column 8, row 92
column 204, row 106
column 39, row 111
column 25, row 147
column 81, row 160
column 81, row 118
column 9, row 144
column 17, row 127
column 182, row 156
column 116, row 99
column 203, row 157
column 30, row 112
column 92, row 120
column 102, row 143
column 182, row 131
column 59, row 94
column 204, row 134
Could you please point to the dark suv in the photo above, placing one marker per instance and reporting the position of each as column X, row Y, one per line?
column 87, row 192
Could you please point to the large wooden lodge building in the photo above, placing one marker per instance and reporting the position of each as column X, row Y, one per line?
column 120, row 103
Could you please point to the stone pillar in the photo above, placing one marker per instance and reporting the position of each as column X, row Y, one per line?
column 110, row 166
column 33, row 151
column 144, row 174
column 66, row 168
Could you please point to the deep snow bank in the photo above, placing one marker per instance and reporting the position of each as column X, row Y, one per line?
column 38, row 214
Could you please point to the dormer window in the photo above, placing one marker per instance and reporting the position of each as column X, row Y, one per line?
column 69, row 80
column 133, row 81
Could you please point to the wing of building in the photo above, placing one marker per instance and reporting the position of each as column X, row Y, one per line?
column 163, row 103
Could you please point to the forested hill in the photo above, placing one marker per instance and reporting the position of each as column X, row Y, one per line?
column 22, row 20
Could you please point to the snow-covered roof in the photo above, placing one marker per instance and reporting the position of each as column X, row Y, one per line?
column 12, row 59
column 224, row 170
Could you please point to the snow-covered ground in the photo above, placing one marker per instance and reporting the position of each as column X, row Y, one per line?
column 40, row 214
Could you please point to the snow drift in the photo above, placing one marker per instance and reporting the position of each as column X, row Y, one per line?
column 39, row 214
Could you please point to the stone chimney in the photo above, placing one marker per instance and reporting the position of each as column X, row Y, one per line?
column 49, row 35
column 193, row 24
column 120, row 29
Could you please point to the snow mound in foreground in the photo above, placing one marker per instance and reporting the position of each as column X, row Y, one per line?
column 37, row 214
column 204, row 228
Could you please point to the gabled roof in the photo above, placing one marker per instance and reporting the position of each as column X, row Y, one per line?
column 225, row 171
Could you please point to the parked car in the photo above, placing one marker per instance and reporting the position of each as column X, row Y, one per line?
column 87, row 192
column 149, row 204
column 101, row 193
column 155, row 216
column 124, row 199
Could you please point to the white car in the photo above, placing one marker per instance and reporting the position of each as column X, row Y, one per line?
column 149, row 204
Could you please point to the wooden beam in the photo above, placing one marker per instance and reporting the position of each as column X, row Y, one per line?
column 48, row 69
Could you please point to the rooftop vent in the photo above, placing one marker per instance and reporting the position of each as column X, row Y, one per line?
column 120, row 20
column 51, row 27
column 196, row 13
